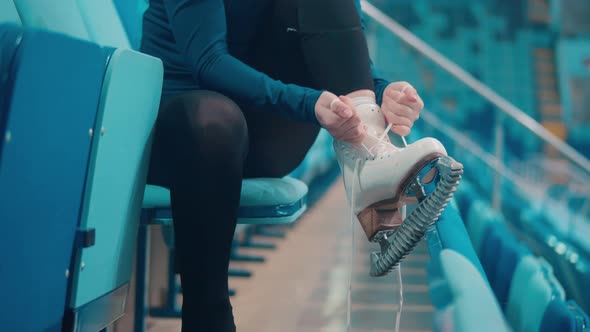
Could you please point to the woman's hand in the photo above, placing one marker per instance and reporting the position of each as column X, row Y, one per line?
column 337, row 116
column 401, row 107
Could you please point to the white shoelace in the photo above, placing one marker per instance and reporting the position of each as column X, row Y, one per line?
column 381, row 145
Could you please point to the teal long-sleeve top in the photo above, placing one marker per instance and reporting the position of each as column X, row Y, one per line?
column 193, row 40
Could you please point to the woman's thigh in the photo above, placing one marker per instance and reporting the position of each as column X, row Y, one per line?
column 193, row 127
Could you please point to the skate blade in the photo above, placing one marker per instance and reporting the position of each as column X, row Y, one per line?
column 396, row 246
column 383, row 218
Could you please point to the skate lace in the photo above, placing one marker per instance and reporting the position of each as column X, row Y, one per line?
column 381, row 146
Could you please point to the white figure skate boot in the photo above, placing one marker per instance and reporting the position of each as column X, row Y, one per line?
column 380, row 178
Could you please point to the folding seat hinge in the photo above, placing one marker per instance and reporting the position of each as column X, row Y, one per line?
column 85, row 238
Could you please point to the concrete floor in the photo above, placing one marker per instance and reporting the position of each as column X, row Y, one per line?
column 303, row 285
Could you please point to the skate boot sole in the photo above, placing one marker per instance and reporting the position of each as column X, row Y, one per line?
column 396, row 245
column 383, row 218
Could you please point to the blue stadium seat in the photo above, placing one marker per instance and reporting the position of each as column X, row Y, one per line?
column 512, row 253
column 490, row 251
column 116, row 178
column 475, row 308
column 43, row 171
column 533, row 288
column 479, row 218
column 465, row 196
column 564, row 317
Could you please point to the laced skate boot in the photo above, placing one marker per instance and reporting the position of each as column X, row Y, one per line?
column 380, row 178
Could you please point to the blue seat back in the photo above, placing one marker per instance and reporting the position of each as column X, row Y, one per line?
column 479, row 218
column 490, row 251
column 43, row 174
column 472, row 298
column 534, row 286
column 128, row 108
column 117, row 174
column 564, row 317
column 512, row 253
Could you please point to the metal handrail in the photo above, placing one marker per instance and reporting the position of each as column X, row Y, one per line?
column 464, row 141
column 482, row 89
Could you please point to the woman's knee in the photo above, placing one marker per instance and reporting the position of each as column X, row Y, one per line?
column 215, row 122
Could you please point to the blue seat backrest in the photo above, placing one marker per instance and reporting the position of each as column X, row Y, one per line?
column 512, row 253
column 452, row 235
column 490, row 251
column 117, row 175
column 479, row 218
column 534, row 287
column 465, row 196
column 476, row 308
column 565, row 317
column 42, row 174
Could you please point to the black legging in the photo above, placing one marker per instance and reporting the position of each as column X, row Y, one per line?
column 205, row 144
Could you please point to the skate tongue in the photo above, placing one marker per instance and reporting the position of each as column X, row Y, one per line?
column 377, row 146
column 377, row 142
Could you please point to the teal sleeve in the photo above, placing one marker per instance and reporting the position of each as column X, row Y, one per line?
column 199, row 27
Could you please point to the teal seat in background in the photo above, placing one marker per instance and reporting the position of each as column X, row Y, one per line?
column 512, row 253
column 533, row 287
column 465, row 196
column 57, row 16
column 565, row 317
column 95, row 14
column 84, row 19
column 479, row 218
column 473, row 304
column 8, row 13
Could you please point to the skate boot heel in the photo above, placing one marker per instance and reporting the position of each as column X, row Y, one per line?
column 380, row 219
column 396, row 246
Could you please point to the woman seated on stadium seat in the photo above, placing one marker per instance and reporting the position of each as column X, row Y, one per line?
column 247, row 86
